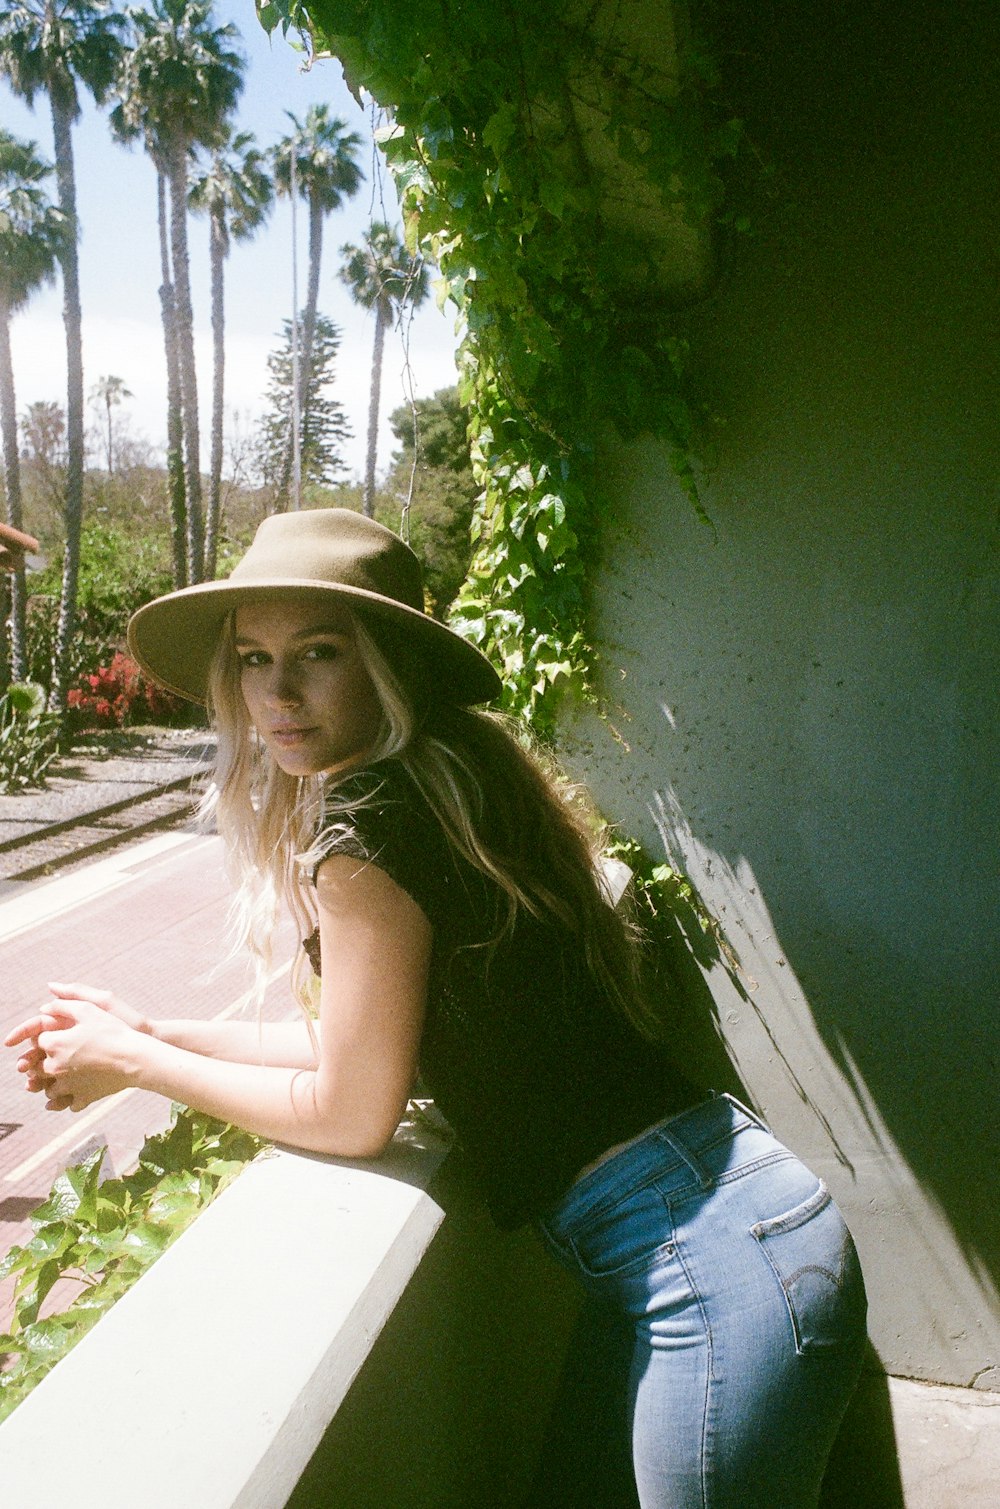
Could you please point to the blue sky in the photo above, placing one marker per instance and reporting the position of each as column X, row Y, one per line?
column 119, row 265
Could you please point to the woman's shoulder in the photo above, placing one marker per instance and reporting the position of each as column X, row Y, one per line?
column 372, row 788
column 378, row 814
column 377, row 803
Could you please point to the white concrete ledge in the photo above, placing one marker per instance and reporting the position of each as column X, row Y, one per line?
column 211, row 1382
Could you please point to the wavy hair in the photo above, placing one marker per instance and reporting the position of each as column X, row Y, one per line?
column 504, row 808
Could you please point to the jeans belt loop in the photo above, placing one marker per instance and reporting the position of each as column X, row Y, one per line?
column 702, row 1175
column 757, row 1120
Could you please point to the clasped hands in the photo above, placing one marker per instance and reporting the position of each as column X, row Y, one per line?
column 85, row 1046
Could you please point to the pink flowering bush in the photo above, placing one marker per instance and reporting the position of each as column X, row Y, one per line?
column 118, row 694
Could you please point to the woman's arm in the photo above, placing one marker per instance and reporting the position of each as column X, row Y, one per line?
column 376, row 945
column 291, row 1044
column 288, row 1045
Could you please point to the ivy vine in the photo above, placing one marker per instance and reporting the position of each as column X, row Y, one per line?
column 492, row 115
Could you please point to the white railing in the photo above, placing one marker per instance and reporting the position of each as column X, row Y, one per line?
column 211, row 1383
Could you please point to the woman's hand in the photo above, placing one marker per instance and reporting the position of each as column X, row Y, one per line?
column 105, row 1001
column 81, row 1049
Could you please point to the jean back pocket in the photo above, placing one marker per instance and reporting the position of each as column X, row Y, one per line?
column 813, row 1257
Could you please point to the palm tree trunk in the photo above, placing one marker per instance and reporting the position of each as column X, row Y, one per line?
column 308, row 335
column 175, row 429
column 16, row 665
column 312, row 298
column 62, row 118
column 4, row 643
column 177, row 173
column 368, row 496
column 217, row 247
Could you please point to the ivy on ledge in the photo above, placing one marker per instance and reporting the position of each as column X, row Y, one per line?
column 99, row 1235
column 510, row 132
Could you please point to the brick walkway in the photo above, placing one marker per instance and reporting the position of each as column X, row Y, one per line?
column 147, row 922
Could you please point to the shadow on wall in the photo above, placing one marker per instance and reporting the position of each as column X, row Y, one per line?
column 808, row 700
column 855, row 357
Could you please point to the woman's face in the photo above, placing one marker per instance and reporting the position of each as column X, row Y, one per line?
column 307, row 691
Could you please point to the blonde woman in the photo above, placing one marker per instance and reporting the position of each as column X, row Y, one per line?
column 446, row 890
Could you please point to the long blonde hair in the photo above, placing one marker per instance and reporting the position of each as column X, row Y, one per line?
column 503, row 806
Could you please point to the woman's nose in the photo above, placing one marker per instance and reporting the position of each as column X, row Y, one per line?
column 282, row 686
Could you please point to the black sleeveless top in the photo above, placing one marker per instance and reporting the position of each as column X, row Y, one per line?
column 535, row 1070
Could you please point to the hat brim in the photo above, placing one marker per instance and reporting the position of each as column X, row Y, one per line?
column 173, row 638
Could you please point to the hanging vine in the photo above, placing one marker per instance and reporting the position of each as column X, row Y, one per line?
column 509, row 130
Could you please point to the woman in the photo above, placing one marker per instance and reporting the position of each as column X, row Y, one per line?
column 448, row 898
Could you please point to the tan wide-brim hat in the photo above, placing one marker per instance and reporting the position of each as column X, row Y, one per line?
column 334, row 554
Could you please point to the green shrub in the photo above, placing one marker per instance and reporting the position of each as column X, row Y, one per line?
column 29, row 736
column 118, row 573
column 43, row 616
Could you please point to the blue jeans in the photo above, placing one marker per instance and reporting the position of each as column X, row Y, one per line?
column 745, row 1305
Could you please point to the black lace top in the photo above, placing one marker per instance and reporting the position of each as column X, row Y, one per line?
column 536, row 1071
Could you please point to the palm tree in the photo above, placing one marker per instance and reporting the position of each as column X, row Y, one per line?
column 31, row 235
column 46, row 46
column 176, row 489
column 110, row 391
column 179, row 81
column 237, row 193
column 382, row 276
column 326, row 173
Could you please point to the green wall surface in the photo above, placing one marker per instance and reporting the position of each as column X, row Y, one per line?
column 806, row 699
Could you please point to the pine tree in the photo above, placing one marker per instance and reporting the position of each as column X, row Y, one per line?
column 436, row 489
column 324, row 427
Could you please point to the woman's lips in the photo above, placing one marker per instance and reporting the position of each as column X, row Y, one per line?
column 289, row 736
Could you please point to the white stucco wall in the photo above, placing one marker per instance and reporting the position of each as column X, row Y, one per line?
column 806, row 702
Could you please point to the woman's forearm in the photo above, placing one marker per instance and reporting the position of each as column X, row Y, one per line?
column 279, row 1103
column 343, row 1093
column 287, row 1045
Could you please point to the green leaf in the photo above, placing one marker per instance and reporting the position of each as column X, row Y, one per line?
column 14, row 1261
column 26, row 698
column 61, row 1204
column 84, row 1178
column 554, row 194
column 500, row 129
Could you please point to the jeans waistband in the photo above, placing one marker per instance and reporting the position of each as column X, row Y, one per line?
column 688, row 1136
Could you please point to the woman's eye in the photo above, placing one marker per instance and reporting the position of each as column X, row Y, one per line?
column 250, row 658
column 322, row 652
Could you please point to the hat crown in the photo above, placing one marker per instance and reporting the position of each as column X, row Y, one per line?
column 332, row 547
